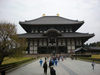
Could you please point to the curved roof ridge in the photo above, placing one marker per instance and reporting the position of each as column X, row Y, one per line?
column 52, row 16
column 52, row 20
column 69, row 19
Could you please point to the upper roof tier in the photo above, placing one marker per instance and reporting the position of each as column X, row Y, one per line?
column 51, row 20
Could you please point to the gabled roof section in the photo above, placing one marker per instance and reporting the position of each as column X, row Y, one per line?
column 45, row 20
column 77, row 34
column 81, row 49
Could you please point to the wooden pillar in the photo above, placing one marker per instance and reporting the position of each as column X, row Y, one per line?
column 71, row 51
column 82, row 41
column 66, row 46
column 28, row 48
column 57, row 45
column 73, row 45
column 47, row 45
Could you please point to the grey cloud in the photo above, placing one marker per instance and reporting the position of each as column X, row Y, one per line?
column 20, row 10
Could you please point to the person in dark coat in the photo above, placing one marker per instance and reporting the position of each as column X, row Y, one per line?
column 45, row 58
column 50, row 63
column 45, row 67
column 52, row 71
column 93, row 63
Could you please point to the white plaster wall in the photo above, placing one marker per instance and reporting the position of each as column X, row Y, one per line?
column 31, row 52
column 68, row 41
column 40, row 42
column 59, row 42
column 35, row 42
column 73, row 47
column 35, row 49
column 45, row 43
column 64, row 42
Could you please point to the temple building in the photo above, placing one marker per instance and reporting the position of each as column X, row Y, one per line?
column 48, row 34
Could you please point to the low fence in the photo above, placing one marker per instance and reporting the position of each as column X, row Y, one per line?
column 82, row 55
column 6, row 67
column 90, row 59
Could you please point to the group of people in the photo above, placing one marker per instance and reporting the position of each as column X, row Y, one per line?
column 52, row 62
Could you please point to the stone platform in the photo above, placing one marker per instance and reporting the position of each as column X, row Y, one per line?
column 66, row 67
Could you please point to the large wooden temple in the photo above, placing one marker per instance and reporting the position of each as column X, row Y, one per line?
column 49, row 34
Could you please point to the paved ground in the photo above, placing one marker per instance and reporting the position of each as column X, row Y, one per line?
column 66, row 67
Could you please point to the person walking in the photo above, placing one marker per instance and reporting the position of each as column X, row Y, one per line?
column 56, row 61
column 45, row 58
column 52, row 71
column 45, row 67
column 50, row 63
column 93, row 63
column 41, row 61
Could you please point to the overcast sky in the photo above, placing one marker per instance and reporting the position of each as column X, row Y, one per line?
column 14, row 11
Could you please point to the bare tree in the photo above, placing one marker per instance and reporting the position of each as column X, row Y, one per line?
column 9, row 41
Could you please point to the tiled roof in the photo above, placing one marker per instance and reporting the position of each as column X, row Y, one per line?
column 65, row 35
column 80, row 49
column 51, row 20
column 77, row 34
column 94, row 48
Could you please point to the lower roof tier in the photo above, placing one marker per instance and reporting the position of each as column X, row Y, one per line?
column 63, row 35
